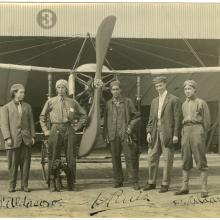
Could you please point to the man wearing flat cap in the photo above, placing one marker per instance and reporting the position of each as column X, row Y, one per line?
column 62, row 112
column 120, row 119
column 17, row 127
column 196, row 123
column 162, row 133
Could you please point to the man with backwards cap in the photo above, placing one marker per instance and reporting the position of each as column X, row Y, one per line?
column 162, row 133
column 196, row 123
column 119, row 121
column 17, row 127
column 62, row 112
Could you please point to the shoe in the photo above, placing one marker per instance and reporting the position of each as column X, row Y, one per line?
column 204, row 194
column 118, row 185
column 164, row 188
column 72, row 188
column 182, row 192
column 25, row 189
column 136, row 186
column 11, row 190
column 149, row 187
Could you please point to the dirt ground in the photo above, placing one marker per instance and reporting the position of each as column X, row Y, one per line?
column 96, row 197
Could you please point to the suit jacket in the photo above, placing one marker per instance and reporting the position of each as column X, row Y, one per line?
column 15, row 126
column 170, row 119
column 131, row 117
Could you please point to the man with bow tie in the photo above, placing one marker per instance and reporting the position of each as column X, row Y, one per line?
column 196, row 124
column 17, row 127
column 62, row 112
column 162, row 133
column 120, row 120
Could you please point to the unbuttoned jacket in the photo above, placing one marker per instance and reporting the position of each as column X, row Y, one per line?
column 170, row 119
column 131, row 117
column 15, row 126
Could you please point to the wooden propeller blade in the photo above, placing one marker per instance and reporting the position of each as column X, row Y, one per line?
column 103, row 38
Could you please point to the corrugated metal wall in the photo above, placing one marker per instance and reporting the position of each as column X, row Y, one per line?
column 134, row 20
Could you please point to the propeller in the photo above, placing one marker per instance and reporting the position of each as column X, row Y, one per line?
column 92, row 130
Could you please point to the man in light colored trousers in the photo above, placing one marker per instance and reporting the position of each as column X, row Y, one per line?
column 162, row 133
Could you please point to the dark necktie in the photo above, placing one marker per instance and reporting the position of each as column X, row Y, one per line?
column 63, row 110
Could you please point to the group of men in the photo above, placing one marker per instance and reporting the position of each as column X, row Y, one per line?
column 121, row 119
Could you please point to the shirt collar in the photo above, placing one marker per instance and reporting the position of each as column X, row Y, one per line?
column 191, row 98
column 17, row 102
column 119, row 99
column 61, row 97
column 163, row 95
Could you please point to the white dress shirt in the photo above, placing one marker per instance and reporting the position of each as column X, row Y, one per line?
column 161, row 101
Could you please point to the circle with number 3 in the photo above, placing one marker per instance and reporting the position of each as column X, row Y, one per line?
column 46, row 18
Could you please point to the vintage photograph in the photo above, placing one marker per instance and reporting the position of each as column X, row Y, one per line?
column 109, row 110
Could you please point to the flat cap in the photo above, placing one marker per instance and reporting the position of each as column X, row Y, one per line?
column 159, row 79
column 16, row 87
column 115, row 83
column 62, row 82
column 190, row 82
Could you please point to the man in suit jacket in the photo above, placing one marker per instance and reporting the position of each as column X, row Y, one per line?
column 162, row 133
column 17, row 127
column 119, row 122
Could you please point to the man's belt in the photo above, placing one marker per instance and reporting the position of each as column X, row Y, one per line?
column 190, row 123
column 60, row 123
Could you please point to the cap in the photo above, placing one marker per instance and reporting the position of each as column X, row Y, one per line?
column 62, row 82
column 115, row 83
column 159, row 79
column 16, row 87
column 190, row 82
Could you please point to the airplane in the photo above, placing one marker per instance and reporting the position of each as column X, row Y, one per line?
column 85, row 75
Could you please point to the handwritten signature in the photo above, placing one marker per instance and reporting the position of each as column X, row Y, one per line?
column 196, row 200
column 7, row 202
column 118, row 200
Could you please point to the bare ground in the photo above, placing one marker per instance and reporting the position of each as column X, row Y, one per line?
column 96, row 197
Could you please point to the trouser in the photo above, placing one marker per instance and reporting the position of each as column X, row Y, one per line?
column 194, row 143
column 62, row 137
column 154, row 154
column 131, row 154
column 20, row 156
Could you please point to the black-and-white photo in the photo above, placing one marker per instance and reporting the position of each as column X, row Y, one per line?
column 109, row 110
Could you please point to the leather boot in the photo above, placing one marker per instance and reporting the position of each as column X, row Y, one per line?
column 204, row 180
column 52, row 184
column 70, row 183
column 185, row 187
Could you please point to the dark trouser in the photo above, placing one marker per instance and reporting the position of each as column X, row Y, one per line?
column 194, row 143
column 62, row 137
column 19, row 157
column 131, row 159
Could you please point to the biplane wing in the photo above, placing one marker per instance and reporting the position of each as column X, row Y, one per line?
column 207, row 77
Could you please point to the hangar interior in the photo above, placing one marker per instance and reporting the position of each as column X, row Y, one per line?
column 146, row 36
column 123, row 54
